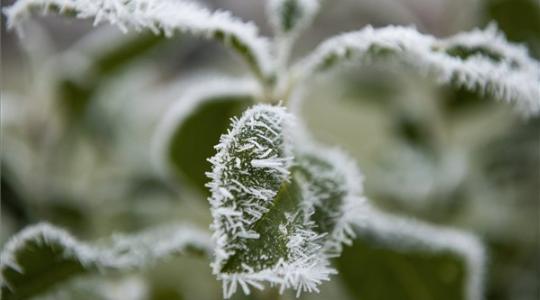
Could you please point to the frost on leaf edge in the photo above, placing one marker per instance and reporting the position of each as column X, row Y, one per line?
column 122, row 254
column 158, row 16
column 407, row 234
column 301, row 273
column 353, row 180
column 515, row 78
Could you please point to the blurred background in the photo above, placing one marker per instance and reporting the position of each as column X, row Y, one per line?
column 75, row 141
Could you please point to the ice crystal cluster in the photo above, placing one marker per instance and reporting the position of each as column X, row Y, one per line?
column 280, row 211
column 282, row 205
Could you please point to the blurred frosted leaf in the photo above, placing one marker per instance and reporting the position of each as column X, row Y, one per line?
column 509, row 165
column 332, row 188
column 288, row 18
column 479, row 60
column 100, row 288
column 186, row 136
column 165, row 16
column 126, row 52
column 291, row 16
column 76, row 90
column 415, row 259
column 43, row 256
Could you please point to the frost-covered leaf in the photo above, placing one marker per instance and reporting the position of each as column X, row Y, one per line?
column 186, row 136
column 76, row 89
column 333, row 189
column 165, row 16
column 261, row 228
column 288, row 18
column 480, row 60
column 419, row 261
column 291, row 16
column 42, row 256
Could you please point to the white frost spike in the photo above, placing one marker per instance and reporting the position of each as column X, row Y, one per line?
column 166, row 16
column 410, row 235
column 267, row 162
column 510, row 74
column 202, row 91
column 280, row 165
column 272, row 122
column 125, row 251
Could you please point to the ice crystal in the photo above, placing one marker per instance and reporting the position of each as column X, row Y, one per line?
column 260, row 227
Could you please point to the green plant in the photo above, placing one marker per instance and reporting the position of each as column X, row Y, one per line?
column 283, row 205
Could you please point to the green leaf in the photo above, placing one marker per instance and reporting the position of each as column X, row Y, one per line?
column 328, row 191
column 126, row 52
column 261, row 230
column 271, row 246
column 288, row 16
column 166, row 16
column 371, row 271
column 75, row 91
column 43, row 256
column 193, row 141
column 333, row 192
column 417, row 260
column 186, row 137
column 472, row 60
column 519, row 19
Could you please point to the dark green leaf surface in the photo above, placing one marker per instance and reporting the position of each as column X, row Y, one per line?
column 371, row 271
column 327, row 186
column 266, row 251
column 43, row 265
column 518, row 19
column 257, row 135
column 290, row 13
column 194, row 139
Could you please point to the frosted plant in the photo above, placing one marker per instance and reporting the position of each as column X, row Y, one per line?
column 24, row 271
column 283, row 206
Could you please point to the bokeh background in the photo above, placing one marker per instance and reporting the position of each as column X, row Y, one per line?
column 75, row 145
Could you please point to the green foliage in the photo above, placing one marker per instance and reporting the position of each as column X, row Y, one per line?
column 271, row 246
column 282, row 206
column 519, row 19
column 289, row 17
column 43, row 264
column 373, row 271
column 329, row 191
column 42, row 256
column 193, row 140
column 76, row 91
column 291, row 12
column 254, row 190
